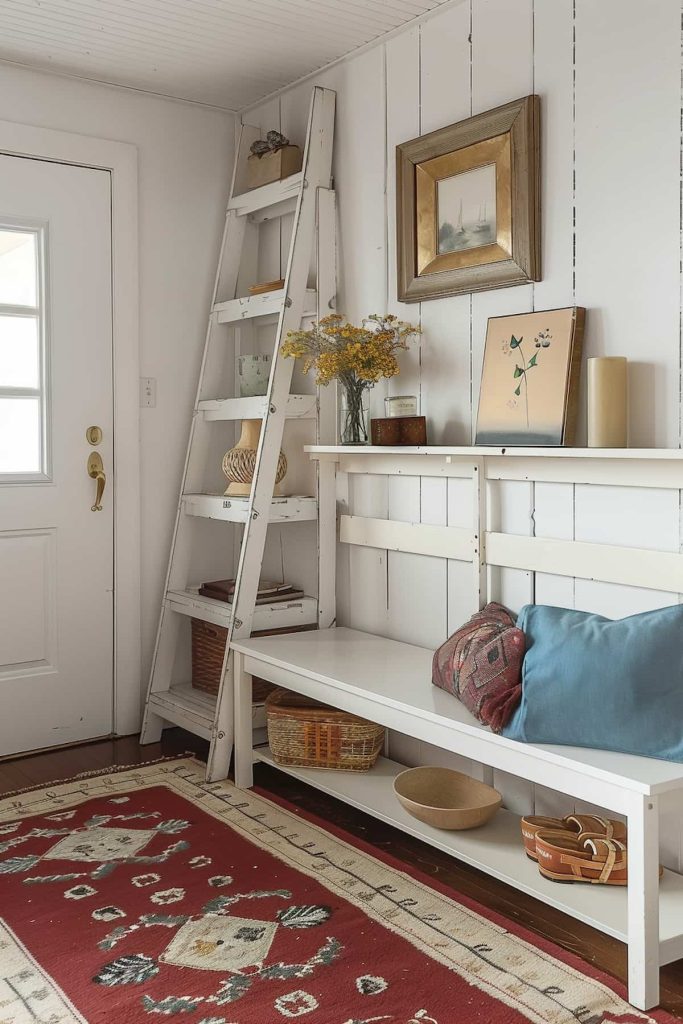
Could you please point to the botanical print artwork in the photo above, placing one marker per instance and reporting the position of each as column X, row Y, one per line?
column 228, row 908
column 466, row 205
column 529, row 378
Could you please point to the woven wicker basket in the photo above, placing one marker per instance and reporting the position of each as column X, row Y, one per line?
column 310, row 735
column 208, row 648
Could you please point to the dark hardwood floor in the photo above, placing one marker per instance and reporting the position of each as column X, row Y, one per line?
column 593, row 946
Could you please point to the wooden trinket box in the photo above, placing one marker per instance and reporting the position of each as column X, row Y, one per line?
column 261, row 170
column 398, row 430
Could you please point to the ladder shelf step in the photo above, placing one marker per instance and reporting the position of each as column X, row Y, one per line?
column 195, row 710
column 298, row 508
column 298, row 407
column 268, row 304
column 267, row 195
column 302, row 611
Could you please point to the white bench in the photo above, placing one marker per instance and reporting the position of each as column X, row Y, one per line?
column 390, row 683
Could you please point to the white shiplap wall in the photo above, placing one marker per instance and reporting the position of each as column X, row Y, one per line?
column 609, row 75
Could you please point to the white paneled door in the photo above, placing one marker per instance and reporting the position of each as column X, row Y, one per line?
column 56, row 524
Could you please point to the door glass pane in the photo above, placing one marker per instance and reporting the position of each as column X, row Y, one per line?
column 18, row 268
column 19, row 352
column 19, row 435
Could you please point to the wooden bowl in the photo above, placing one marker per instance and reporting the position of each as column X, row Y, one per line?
column 445, row 798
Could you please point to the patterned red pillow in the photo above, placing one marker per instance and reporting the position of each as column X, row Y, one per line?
column 481, row 665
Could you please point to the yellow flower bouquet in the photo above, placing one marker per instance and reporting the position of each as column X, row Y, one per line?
column 355, row 356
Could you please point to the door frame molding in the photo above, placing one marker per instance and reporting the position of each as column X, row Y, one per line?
column 121, row 160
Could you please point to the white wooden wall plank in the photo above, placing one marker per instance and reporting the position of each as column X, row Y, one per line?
column 629, row 567
column 622, row 191
column 408, row 538
column 553, row 73
column 445, row 97
column 460, row 503
column 367, row 600
column 554, row 517
column 402, row 58
column 634, row 518
column 416, row 594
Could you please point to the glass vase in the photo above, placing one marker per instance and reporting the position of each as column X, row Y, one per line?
column 354, row 419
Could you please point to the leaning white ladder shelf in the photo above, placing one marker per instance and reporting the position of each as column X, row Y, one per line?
column 389, row 683
column 308, row 195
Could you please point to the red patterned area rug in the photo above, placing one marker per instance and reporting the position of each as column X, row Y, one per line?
column 149, row 894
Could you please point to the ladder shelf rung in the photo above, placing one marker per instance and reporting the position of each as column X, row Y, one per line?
column 298, row 508
column 298, row 407
column 186, row 707
column 195, row 710
column 268, row 304
column 267, row 195
column 301, row 611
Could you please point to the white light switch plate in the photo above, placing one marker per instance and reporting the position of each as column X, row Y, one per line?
column 148, row 392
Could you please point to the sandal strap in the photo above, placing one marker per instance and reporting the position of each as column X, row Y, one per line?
column 613, row 851
column 588, row 822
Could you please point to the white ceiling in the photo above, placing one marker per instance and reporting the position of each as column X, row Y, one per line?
column 229, row 53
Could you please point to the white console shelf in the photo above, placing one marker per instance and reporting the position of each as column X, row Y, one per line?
column 390, row 683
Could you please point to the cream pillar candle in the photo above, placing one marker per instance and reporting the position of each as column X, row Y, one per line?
column 607, row 402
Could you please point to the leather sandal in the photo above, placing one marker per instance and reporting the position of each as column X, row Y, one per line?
column 573, row 824
column 564, row 857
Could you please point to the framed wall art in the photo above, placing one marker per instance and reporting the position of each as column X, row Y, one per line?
column 468, row 212
column 530, row 378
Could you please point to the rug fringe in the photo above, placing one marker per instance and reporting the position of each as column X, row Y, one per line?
column 113, row 769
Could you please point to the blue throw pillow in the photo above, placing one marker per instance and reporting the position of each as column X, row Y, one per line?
column 588, row 681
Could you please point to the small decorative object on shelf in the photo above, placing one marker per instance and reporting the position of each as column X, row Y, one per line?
column 253, row 373
column 266, row 286
column 307, row 734
column 399, row 430
column 413, row 430
column 400, row 405
column 271, row 159
column 607, row 402
column 385, row 430
column 239, row 463
column 268, row 592
column 355, row 356
column 530, row 379
column 445, row 798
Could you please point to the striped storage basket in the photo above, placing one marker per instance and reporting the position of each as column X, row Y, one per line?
column 306, row 734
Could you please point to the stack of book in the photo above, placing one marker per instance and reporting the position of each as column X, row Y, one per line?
column 268, row 592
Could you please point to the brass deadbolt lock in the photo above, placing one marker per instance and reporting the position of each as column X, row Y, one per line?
column 93, row 435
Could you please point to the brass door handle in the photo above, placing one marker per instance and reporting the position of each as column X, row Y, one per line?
column 96, row 471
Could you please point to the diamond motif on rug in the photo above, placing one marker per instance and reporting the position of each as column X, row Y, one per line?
column 221, row 944
column 98, row 844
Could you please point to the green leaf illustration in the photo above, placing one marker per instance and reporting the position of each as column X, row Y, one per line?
column 515, row 342
column 532, row 361
column 518, row 389
column 518, row 371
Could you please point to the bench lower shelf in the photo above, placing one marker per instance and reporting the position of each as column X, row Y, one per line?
column 497, row 850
